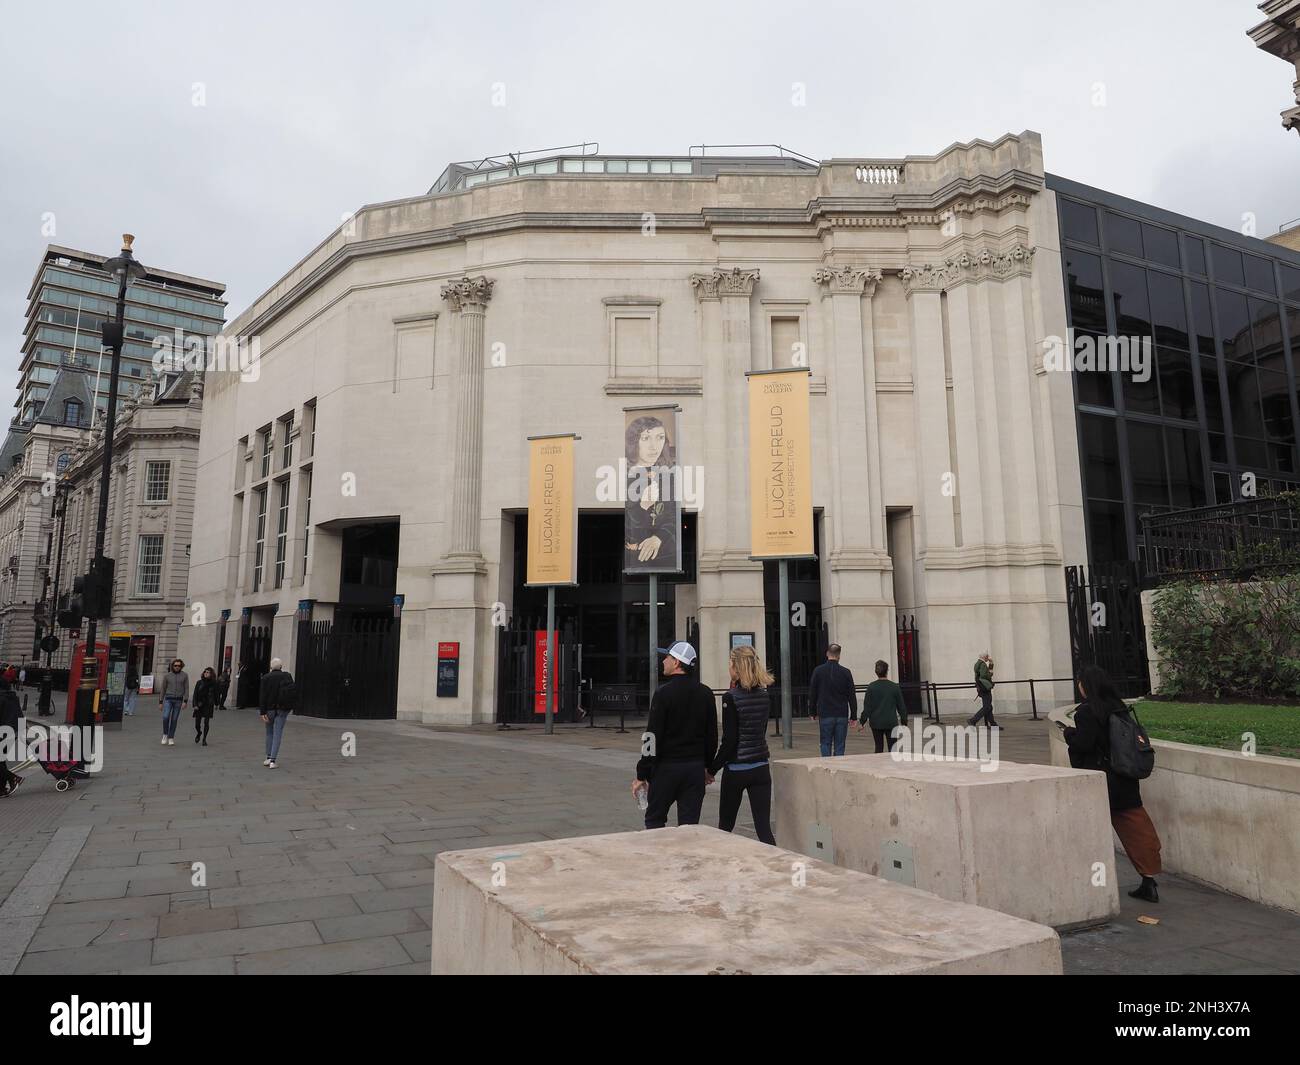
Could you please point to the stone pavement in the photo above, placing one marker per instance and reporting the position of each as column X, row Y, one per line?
column 325, row 864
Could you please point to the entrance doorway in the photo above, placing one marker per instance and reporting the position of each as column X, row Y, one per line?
column 607, row 614
column 809, row 637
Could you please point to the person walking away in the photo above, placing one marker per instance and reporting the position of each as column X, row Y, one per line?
column 205, row 699
column 984, row 689
column 131, row 692
column 743, row 756
column 223, row 688
column 680, row 738
column 10, row 716
column 172, row 697
column 278, row 698
column 22, row 678
column 1089, row 744
column 883, row 708
column 832, row 701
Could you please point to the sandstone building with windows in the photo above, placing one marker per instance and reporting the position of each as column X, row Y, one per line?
column 371, row 484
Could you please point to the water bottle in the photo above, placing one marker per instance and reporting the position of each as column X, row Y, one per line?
column 643, row 797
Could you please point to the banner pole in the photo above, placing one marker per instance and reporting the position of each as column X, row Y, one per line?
column 550, row 659
column 787, row 711
column 654, row 632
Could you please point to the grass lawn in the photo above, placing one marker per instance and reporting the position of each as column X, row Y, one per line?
column 1276, row 728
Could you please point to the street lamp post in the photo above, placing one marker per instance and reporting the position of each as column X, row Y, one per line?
column 124, row 269
column 60, row 512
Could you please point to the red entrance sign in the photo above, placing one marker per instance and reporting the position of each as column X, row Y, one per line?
column 448, row 650
column 541, row 671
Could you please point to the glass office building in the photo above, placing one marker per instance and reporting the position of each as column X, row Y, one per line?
column 1222, row 314
column 69, row 300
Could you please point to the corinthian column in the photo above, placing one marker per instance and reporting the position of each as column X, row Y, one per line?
column 730, row 586
column 469, row 298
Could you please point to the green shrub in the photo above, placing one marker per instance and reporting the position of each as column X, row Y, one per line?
column 1221, row 640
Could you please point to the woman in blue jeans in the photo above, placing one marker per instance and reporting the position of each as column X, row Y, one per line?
column 172, row 698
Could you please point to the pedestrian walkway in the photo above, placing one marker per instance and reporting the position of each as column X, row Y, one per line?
column 199, row 859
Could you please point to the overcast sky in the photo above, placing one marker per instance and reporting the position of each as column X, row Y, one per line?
column 312, row 109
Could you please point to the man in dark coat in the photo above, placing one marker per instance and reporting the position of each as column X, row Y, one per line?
column 832, row 701
column 679, row 740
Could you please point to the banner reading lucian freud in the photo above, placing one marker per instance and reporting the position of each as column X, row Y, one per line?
column 652, row 511
column 780, row 465
column 552, row 511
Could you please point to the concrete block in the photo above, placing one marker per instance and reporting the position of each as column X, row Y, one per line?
column 1027, row 840
column 696, row 900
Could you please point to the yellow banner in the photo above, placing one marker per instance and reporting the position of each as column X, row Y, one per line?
column 552, row 512
column 780, row 465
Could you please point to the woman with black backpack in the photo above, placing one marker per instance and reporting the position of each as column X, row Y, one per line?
column 1089, row 742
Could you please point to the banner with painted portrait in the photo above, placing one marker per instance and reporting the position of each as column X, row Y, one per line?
column 652, row 509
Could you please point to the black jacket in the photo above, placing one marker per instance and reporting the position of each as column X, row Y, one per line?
column 1089, row 743
column 745, row 715
column 830, row 691
column 683, row 725
column 269, row 698
column 205, row 697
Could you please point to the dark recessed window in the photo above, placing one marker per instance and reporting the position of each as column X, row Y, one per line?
column 1101, row 457
column 1146, row 455
column 1252, row 454
column 1128, row 285
column 1095, row 386
column 1168, row 314
column 1201, row 317
column 1211, row 394
column 1123, row 234
column 1227, row 265
column 1107, row 536
column 71, row 412
column 1160, row 245
column 1259, row 275
column 1234, row 325
column 1141, row 397
column 1222, row 488
column 1266, row 328
column 1195, row 249
column 1291, row 282
column 1079, row 221
column 1177, row 394
column 1275, row 398
column 1283, row 456
column 1186, row 476
column 1087, row 294
column 1218, row 447
column 1243, row 400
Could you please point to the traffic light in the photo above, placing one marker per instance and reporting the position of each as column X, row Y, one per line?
column 97, row 594
column 71, row 605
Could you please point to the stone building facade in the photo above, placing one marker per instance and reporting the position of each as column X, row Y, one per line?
column 404, row 362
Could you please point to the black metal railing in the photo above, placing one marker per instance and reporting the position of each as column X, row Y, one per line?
column 1231, row 541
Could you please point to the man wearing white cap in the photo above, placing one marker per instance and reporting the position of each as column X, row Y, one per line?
column 678, row 741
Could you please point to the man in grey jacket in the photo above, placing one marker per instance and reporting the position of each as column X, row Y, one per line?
column 172, row 697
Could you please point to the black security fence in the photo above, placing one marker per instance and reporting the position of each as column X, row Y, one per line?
column 347, row 668
column 1234, row 541
column 1104, row 606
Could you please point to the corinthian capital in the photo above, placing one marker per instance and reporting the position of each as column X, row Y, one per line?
column 850, row 280
column 736, row 282
column 469, row 293
column 705, row 285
